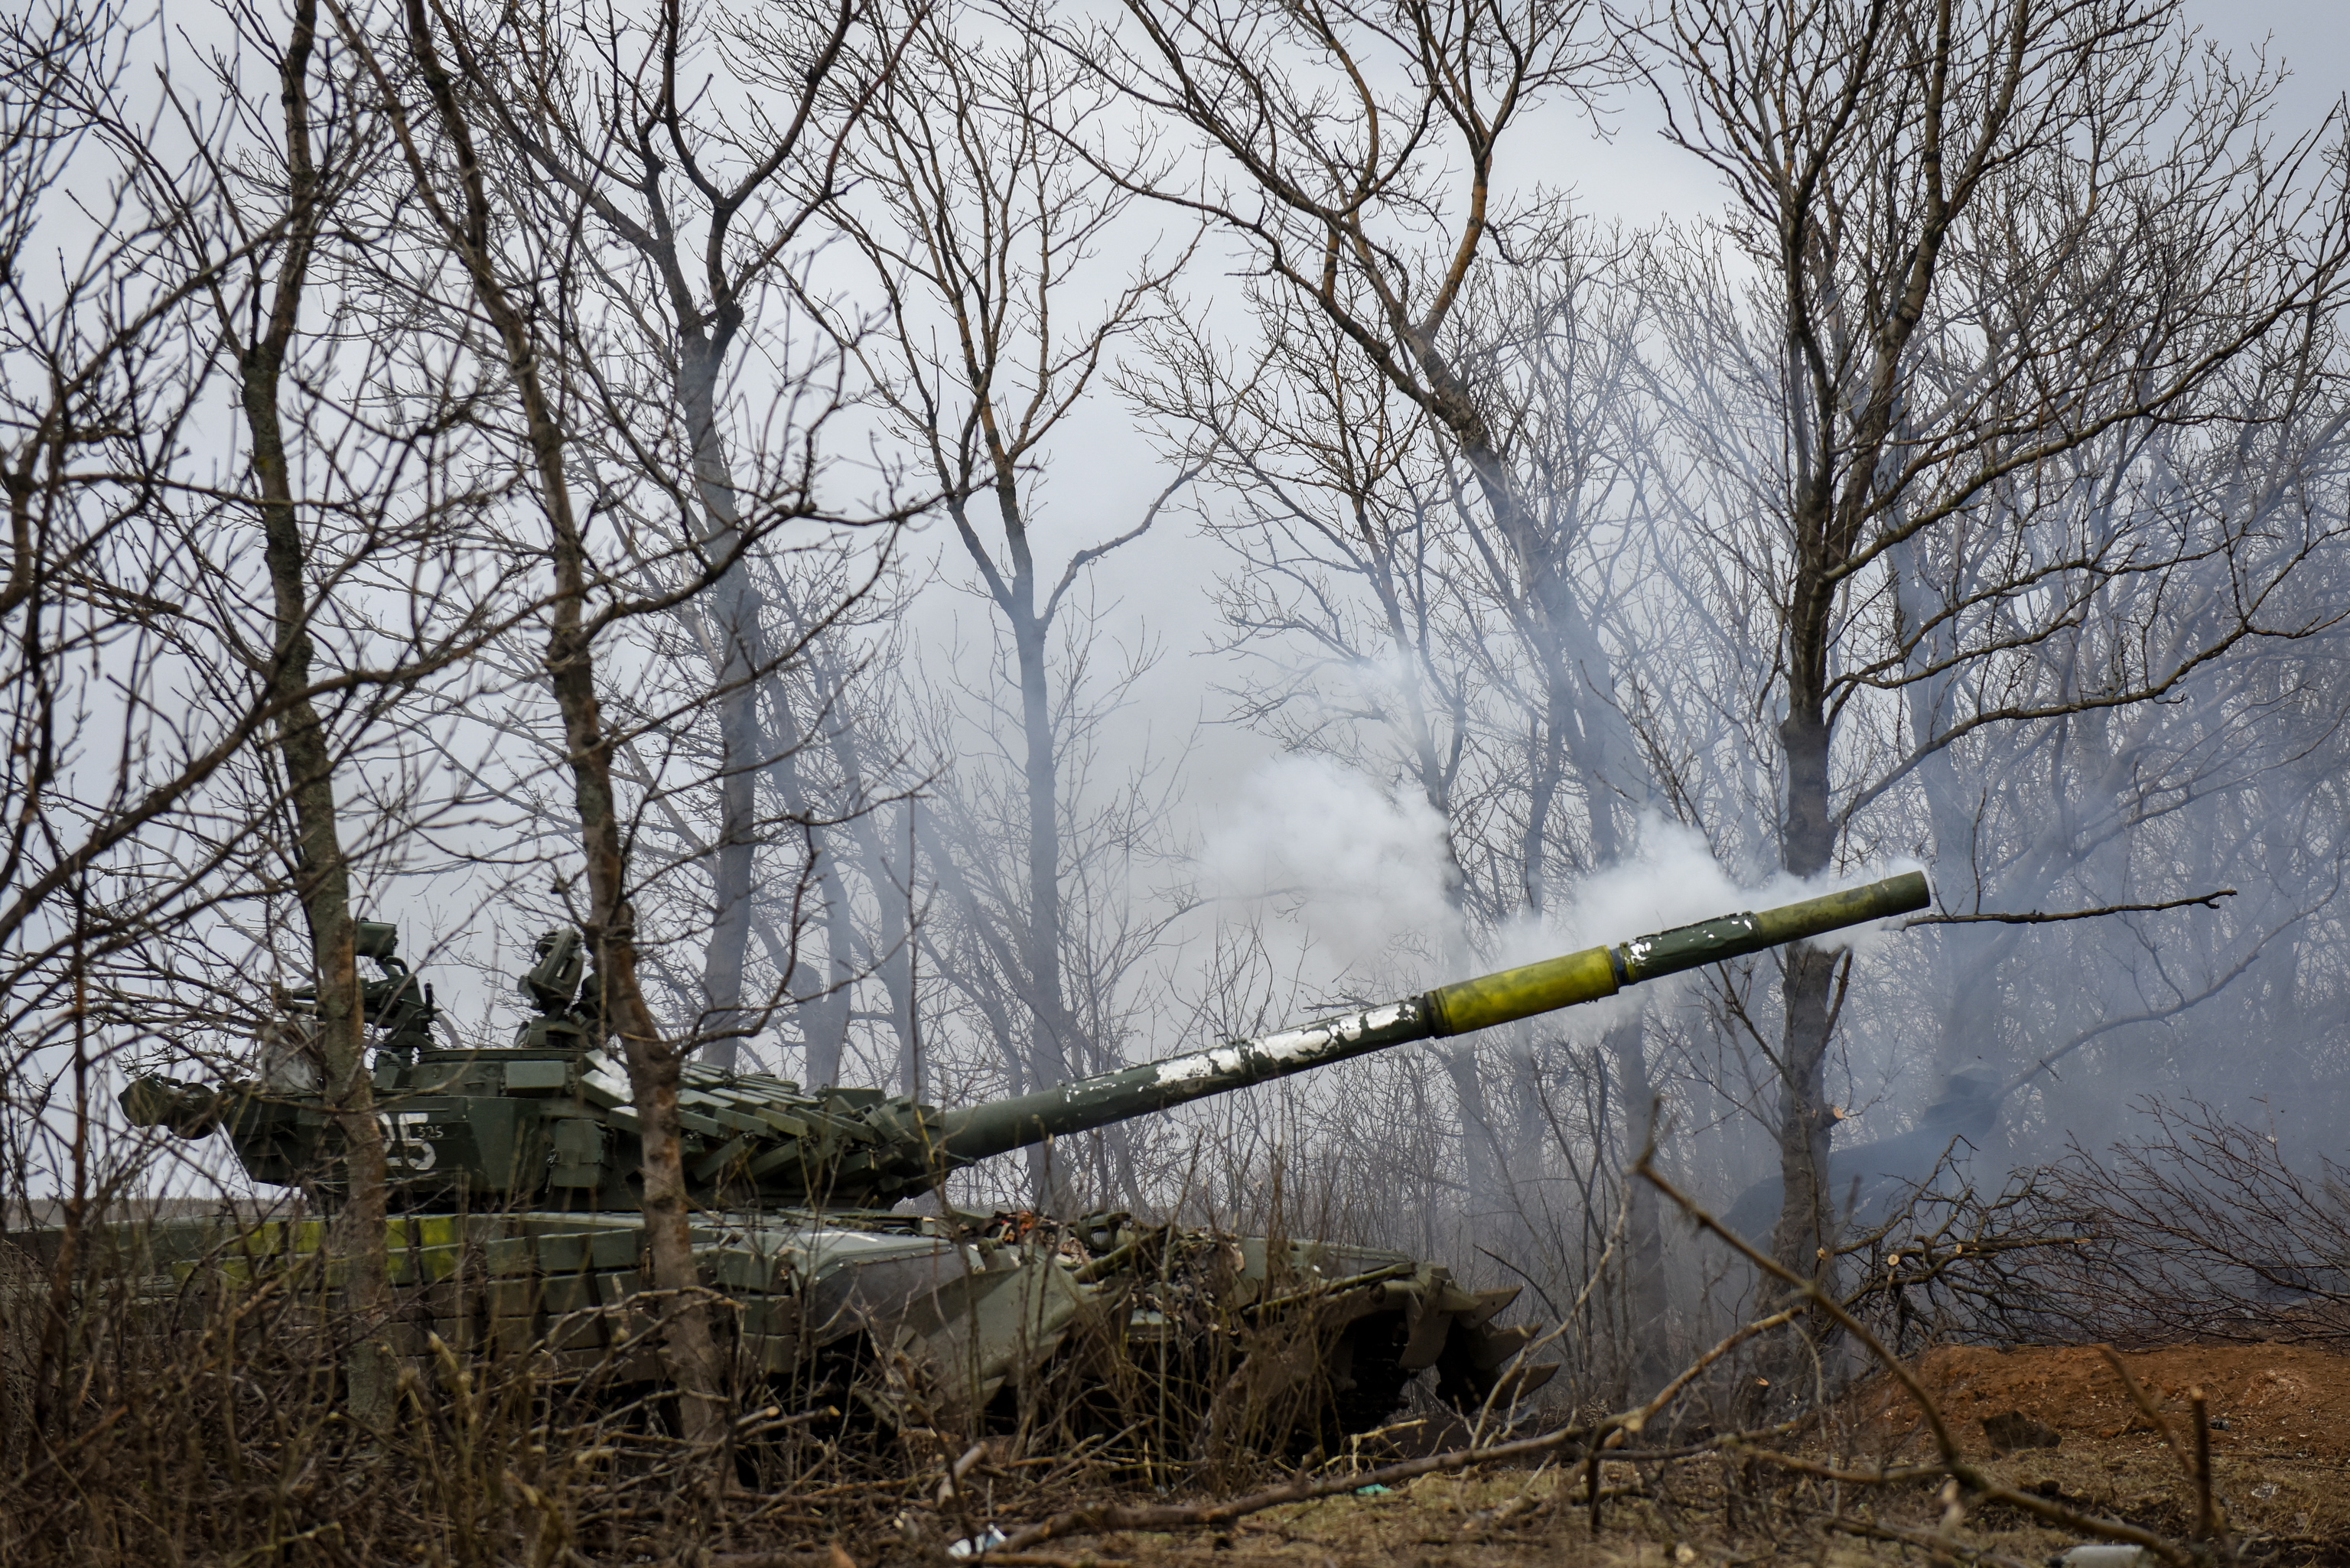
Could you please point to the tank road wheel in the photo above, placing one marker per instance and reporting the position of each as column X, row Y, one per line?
column 1366, row 1374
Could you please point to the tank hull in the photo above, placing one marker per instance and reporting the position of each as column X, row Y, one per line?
column 920, row 1321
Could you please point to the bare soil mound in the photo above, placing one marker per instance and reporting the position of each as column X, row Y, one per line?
column 2271, row 1401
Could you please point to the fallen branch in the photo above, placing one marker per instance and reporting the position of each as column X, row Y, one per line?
column 1104, row 1517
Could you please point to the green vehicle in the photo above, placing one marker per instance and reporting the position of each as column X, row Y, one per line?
column 514, row 1190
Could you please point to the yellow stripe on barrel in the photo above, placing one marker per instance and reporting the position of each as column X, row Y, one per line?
column 1520, row 992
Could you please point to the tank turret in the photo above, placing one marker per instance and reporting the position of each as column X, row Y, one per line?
column 549, row 1120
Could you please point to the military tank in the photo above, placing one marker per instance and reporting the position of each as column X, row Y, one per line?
column 515, row 1191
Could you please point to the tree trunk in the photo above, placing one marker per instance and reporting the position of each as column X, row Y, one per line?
column 1561, row 642
column 1805, row 1228
column 1648, row 1301
column 322, row 873
column 735, row 612
column 896, row 958
column 52, row 1364
column 825, row 1015
column 1051, row 1044
column 610, row 927
column 1481, row 1167
column 1052, row 1053
column 893, row 954
column 829, row 1014
column 1598, row 738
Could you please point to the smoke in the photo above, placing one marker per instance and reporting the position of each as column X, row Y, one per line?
column 1672, row 879
column 1359, row 871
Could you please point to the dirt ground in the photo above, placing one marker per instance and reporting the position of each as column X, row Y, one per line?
column 2281, row 1466
column 2276, row 1401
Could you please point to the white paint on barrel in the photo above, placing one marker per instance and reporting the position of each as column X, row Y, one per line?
column 1270, row 1056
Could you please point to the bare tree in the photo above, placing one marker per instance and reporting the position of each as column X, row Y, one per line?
column 438, row 148
column 1352, row 153
column 1986, row 245
column 1386, row 626
column 227, row 712
column 979, row 220
column 703, row 201
column 322, row 879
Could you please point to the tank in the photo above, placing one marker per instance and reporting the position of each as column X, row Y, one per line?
column 515, row 1191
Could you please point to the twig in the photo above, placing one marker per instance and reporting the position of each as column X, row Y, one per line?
column 2145, row 1402
column 2207, row 1513
column 1882, row 1475
column 1810, row 1290
column 1929, row 1540
column 2038, row 918
column 1952, row 1465
column 952, row 1485
column 1509, row 1376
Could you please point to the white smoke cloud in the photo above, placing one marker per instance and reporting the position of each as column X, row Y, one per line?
column 1356, row 869
column 1671, row 879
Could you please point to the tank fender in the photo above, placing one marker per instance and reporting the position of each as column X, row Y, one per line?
column 1475, row 1365
column 1486, row 1306
column 1427, row 1327
column 1489, row 1349
column 972, row 1333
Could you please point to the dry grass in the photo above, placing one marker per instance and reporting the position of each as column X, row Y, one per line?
column 210, row 1429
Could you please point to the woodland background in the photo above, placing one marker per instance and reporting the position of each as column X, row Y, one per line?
column 675, row 470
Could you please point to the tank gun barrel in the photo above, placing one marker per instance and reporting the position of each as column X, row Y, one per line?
column 999, row 1125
